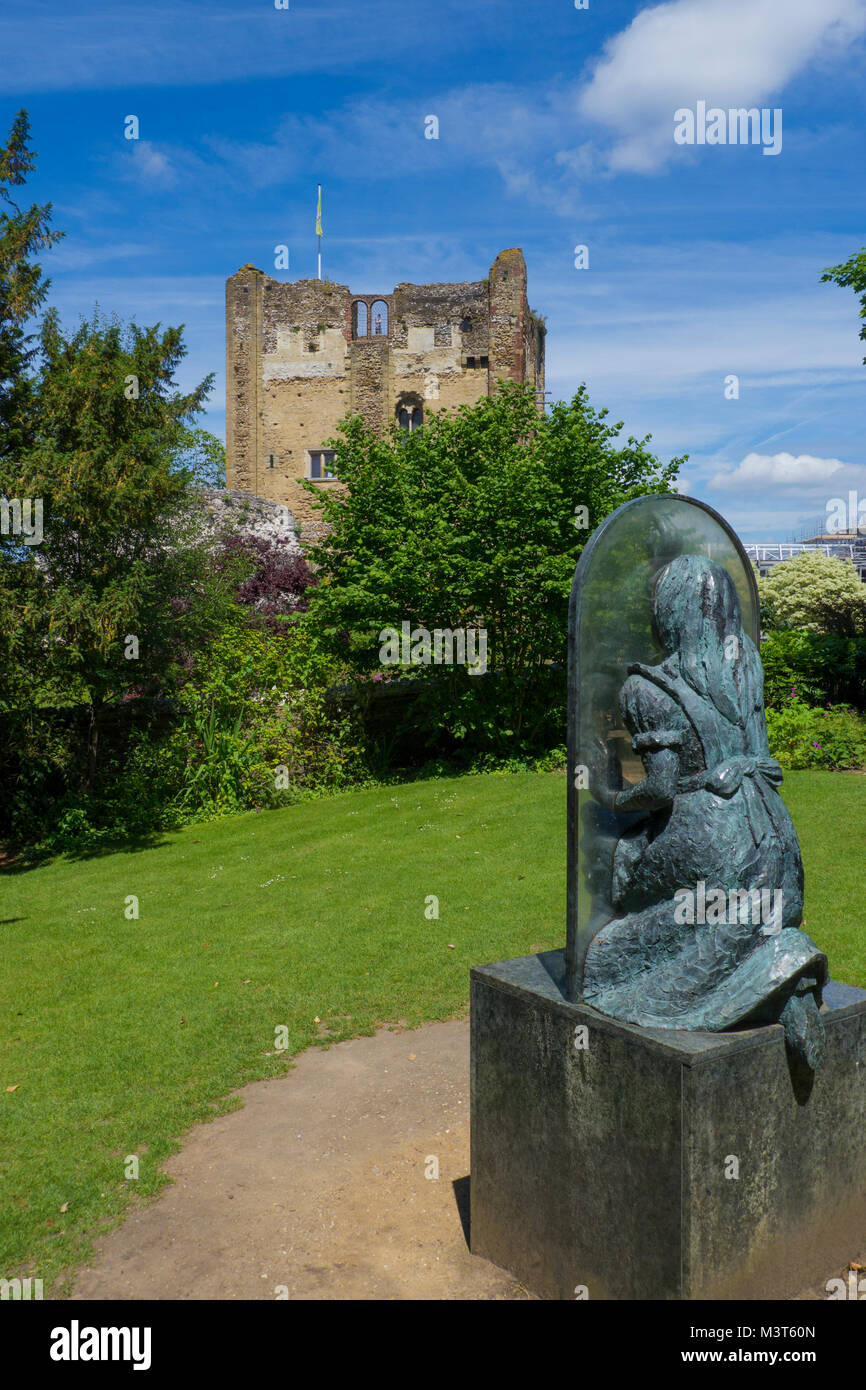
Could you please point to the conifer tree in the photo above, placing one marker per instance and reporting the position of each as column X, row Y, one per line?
column 23, row 287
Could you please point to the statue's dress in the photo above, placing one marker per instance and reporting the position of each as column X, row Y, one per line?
column 726, row 826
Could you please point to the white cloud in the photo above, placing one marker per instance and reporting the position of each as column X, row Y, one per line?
column 800, row 472
column 726, row 52
column 514, row 131
column 101, row 45
column 149, row 165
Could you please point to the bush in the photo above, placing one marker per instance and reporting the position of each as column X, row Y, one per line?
column 815, row 593
column 256, row 725
column 253, row 727
column 278, row 578
column 53, row 809
column 820, row 668
column 802, row 736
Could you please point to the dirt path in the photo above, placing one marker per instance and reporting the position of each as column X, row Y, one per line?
column 316, row 1188
column 318, row 1185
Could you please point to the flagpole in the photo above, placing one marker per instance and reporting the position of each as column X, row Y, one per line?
column 319, row 229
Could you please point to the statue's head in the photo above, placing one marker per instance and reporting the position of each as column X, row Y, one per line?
column 695, row 604
column 695, row 610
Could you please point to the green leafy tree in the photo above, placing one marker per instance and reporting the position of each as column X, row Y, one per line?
column 121, row 589
column 851, row 275
column 814, row 592
column 23, row 233
column 476, row 520
column 203, row 458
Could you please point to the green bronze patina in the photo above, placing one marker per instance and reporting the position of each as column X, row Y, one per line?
column 705, row 824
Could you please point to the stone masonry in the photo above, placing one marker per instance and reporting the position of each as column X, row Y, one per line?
column 302, row 355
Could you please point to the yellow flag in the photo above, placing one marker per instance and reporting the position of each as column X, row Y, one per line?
column 319, row 214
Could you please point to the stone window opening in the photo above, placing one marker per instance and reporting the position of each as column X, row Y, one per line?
column 370, row 318
column 410, row 413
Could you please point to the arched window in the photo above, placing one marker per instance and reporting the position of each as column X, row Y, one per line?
column 410, row 417
column 379, row 318
column 360, row 320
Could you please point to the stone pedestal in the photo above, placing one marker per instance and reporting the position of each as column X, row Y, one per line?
column 656, row 1164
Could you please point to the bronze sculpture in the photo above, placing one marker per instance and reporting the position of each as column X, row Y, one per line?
column 705, row 825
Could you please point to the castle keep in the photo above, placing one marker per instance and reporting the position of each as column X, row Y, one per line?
column 301, row 355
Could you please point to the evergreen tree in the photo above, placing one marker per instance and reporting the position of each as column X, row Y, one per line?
column 22, row 287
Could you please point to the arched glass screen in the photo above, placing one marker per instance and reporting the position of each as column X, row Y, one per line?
column 610, row 626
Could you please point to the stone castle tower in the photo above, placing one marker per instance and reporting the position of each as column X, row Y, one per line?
column 300, row 355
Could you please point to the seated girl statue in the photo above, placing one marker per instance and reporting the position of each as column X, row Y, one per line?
column 680, row 935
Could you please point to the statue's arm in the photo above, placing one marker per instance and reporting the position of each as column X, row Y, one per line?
column 655, row 724
column 658, row 788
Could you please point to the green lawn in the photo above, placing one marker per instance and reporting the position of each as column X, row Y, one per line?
column 119, row 1034
column 829, row 812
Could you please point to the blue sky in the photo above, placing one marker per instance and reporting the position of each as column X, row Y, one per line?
column 555, row 130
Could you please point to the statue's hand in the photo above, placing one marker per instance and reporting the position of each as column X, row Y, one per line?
column 602, row 774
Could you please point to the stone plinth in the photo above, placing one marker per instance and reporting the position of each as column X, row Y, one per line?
column 655, row 1164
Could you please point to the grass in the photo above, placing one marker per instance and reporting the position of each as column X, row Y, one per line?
column 829, row 813
column 123, row 1032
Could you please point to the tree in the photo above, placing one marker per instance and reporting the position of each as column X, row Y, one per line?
column 476, row 520
column 203, row 458
column 851, row 274
column 22, row 285
column 120, row 590
column 814, row 592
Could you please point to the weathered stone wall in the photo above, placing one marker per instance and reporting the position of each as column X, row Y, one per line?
column 509, row 315
column 242, row 513
column 294, row 368
column 243, row 340
column 369, row 373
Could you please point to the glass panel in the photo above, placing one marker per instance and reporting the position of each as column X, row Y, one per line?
column 315, row 465
column 611, row 627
